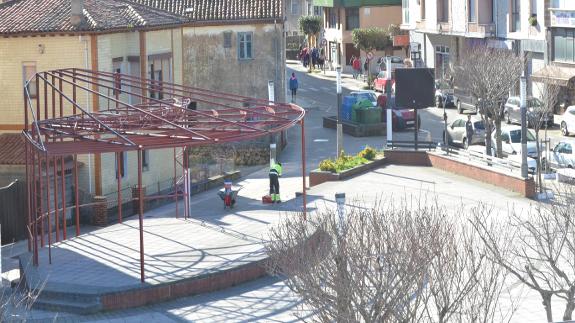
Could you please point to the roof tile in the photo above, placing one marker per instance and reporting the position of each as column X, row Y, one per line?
column 12, row 149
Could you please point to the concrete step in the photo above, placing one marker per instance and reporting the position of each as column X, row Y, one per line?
column 65, row 305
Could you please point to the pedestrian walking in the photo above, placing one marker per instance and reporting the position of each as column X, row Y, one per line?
column 468, row 130
column 356, row 67
column 275, row 174
column 293, row 85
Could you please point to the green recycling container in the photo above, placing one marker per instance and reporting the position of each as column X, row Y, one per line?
column 356, row 114
column 370, row 115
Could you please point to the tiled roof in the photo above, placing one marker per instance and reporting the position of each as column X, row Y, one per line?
column 12, row 149
column 31, row 16
column 219, row 10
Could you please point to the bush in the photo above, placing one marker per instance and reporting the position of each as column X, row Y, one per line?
column 327, row 166
column 344, row 162
column 367, row 153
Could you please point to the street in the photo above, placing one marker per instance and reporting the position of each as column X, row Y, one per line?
column 318, row 91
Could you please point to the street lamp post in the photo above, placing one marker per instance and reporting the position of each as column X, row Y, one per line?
column 445, row 140
column 523, row 107
column 339, row 129
column 388, row 121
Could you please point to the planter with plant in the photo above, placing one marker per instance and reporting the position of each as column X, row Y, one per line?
column 533, row 20
column 346, row 166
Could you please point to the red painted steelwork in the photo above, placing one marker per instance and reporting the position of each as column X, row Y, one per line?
column 166, row 117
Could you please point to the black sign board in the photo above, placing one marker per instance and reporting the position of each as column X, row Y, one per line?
column 414, row 88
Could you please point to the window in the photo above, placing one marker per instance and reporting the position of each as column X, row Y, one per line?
column 227, row 39
column 294, row 7
column 515, row 15
column 160, row 70
column 564, row 45
column 405, row 11
column 317, row 11
column 351, row 18
column 145, row 160
column 567, row 149
column 472, row 11
column 422, row 9
column 245, row 45
column 443, row 6
column 332, row 17
column 28, row 71
column 123, row 164
column 441, row 62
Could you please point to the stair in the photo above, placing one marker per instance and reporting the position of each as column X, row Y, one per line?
column 77, row 303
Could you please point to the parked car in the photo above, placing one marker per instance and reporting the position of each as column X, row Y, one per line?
column 562, row 155
column 365, row 95
column 380, row 82
column 456, row 133
column 568, row 123
column 401, row 118
column 396, row 62
column 512, row 112
column 511, row 142
column 443, row 93
column 464, row 101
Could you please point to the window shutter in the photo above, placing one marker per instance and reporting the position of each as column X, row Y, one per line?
column 227, row 39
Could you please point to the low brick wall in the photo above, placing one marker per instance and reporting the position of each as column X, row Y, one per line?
column 407, row 157
column 187, row 287
column 525, row 187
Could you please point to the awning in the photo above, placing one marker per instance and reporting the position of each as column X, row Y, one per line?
column 554, row 74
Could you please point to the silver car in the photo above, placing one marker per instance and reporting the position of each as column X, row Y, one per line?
column 456, row 134
column 562, row 155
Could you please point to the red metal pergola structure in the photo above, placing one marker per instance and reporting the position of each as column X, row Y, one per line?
column 58, row 126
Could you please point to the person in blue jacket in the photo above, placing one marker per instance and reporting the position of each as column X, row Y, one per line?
column 293, row 85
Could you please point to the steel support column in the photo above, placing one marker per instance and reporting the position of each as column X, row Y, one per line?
column 48, row 212
column 304, row 195
column 119, row 176
column 141, row 213
column 76, row 196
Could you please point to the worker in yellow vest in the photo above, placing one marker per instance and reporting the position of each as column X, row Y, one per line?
column 275, row 174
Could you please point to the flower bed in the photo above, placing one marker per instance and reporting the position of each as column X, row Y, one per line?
column 346, row 166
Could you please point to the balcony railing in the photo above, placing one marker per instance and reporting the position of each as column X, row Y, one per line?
column 483, row 30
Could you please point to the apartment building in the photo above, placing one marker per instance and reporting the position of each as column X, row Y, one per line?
column 559, row 17
column 341, row 17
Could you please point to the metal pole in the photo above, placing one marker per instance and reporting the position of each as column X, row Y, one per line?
column 175, row 182
column 119, row 174
column 523, row 97
column 340, row 200
column 35, row 206
column 76, row 195
column 56, row 213
column 41, row 197
column 47, row 160
column 339, row 129
column 416, row 128
column 28, row 191
column 389, row 120
column 303, row 168
column 64, row 223
column 141, row 213
column 445, row 140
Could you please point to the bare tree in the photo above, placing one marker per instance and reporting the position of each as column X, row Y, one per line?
column 489, row 75
column 366, row 269
column 539, row 113
column 537, row 248
column 405, row 261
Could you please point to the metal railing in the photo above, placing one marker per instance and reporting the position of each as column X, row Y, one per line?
column 481, row 159
column 410, row 144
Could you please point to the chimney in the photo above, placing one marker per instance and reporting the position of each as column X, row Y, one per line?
column 77, row 12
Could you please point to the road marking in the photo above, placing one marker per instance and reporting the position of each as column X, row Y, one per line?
column 312, row 89
column 320, row 140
